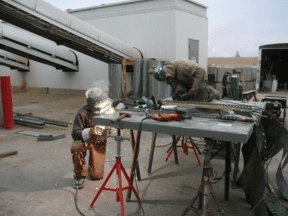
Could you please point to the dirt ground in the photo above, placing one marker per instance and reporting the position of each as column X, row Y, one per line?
column 38, row 180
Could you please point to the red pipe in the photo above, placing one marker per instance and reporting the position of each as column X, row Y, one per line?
column 7, row 102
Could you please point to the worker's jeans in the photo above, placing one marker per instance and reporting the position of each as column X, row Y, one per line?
column 96, row 159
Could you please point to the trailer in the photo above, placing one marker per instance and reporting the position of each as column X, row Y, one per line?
column 272, row 67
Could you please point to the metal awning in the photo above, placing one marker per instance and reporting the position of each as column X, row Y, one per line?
column 37, row 49
column 14, row 62
column 52, row 23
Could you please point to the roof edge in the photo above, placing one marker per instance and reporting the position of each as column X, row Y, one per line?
column 279, row 45
column 197, row 3
column 103, row 5
column 121, row 3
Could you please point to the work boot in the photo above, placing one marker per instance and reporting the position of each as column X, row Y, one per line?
column 79, row 183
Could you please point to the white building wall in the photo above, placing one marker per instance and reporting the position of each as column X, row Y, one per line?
column 90, row 71
column 153, row 32
column 194, row 26
column 160, row 29
column 16, row 77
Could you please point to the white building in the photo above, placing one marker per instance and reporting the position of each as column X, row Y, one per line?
column 164, row 29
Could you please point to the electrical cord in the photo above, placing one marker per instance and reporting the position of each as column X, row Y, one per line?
column 164, row 145
column 75, row 197
column 267, row 184
column 138, row 194
column 142, row 121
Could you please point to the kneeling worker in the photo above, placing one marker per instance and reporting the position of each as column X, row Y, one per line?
column 186, row 77
column 88, row 136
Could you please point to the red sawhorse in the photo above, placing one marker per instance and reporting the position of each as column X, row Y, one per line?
column 118, row 167
column 185, row 148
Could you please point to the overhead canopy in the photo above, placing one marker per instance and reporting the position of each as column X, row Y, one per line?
column 37, row 49
column 41, row 18
column 13, row 61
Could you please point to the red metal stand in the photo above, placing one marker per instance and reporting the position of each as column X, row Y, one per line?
column 185, row 149
column 119, row 190
column 7, row 102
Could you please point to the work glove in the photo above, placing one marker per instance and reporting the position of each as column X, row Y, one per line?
column 93, row 131
column 98, row 135
column 192, row 92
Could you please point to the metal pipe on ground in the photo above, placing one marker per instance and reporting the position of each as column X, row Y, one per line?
column 47, row 121
column 27, row 121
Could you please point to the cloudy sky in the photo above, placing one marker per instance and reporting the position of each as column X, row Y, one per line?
column 234, row 25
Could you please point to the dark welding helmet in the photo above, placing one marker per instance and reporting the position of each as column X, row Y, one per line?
column 95, row 96
column 159, row 73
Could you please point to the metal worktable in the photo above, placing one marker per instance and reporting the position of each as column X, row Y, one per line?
column 223, row 130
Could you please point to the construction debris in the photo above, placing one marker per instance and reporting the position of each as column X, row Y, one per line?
column 28, row 118
column 42, row 136
column 7, row 154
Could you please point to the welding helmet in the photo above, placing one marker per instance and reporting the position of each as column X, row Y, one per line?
column 159, row 73
column 95, row 96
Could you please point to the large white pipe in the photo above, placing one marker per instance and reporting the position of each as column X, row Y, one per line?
column 48, row 21
column 36, row 48
column 13, row 61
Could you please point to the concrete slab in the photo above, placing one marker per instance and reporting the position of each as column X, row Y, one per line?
column 250, row 85
column 246, row 74
column 254, row 73
column 219, row 87
column 38, row 180
column 221, row 71
column 212, row 70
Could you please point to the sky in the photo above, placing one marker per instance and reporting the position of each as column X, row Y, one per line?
column 241, row 25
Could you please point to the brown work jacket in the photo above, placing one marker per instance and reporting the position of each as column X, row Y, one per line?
column 83, row 120
column 186, row 71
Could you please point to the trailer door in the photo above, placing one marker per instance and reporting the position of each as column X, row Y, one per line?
column 258, row 69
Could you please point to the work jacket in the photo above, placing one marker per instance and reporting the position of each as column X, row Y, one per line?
column 83, row 120
column 185, row 71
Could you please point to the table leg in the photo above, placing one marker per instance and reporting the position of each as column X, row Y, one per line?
column 227, row 169
column 175, row 149
column 200, row 153
column 207, row 164
column 135, row 157
column 152, row 152
column 236, row 166
column 133, row 146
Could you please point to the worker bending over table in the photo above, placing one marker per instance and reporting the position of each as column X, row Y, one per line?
column 188, row 80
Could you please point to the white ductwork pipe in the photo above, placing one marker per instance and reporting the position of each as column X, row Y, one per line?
column 37, row 43
column 13, row 61
column 13, row 57
column 37, row 49
column 48, row 21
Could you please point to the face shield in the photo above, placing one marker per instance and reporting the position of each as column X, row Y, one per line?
column 95, row 97
column 159, row 73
